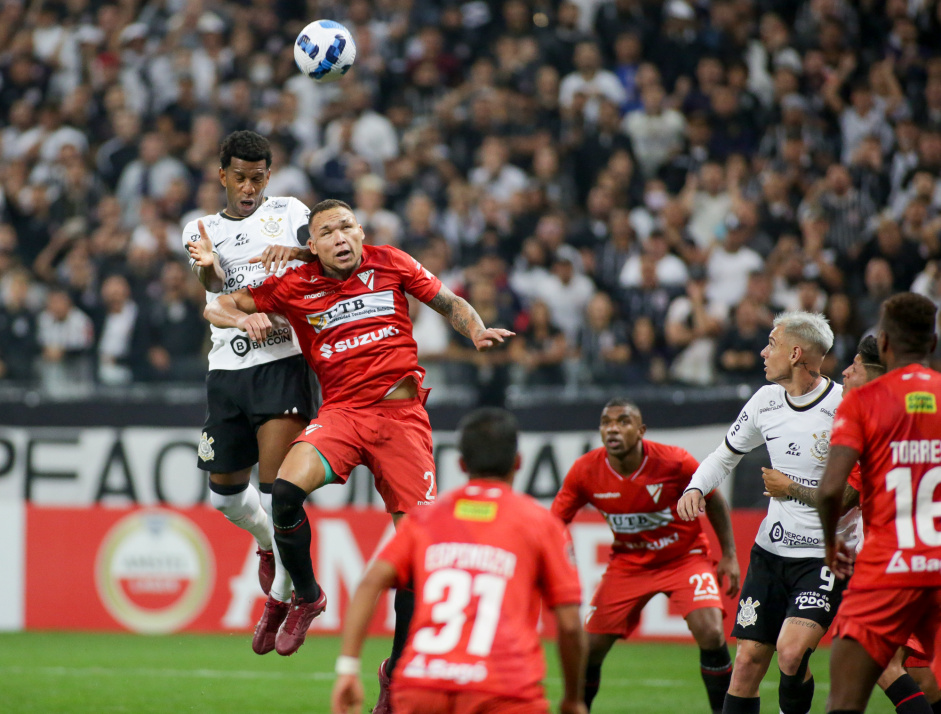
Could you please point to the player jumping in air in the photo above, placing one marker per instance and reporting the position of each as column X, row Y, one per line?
column 789, row 596
column 891, row 426
column 350, row 314
column 635, row 484
column 482, row 559
column 258, row 391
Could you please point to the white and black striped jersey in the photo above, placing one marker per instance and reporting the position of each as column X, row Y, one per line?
column 798, row 442
column 277, row 221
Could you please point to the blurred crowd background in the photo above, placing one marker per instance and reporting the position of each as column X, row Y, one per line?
column 634, row 187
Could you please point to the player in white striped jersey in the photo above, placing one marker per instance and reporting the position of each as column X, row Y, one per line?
column 258, row 393
column 789, row 597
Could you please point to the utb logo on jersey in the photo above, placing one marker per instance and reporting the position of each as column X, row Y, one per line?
column 482, row 511
column 921, row 403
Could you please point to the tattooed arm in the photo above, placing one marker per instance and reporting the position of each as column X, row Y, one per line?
column 465, row 320
column 778, row 485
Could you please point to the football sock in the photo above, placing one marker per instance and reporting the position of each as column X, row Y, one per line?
column 794, row 695
column 242, row 505
column 292, row 534
column 592, row 683
column 404, row 607
column 741, row 705
column 716, row 669
column 281, row 585
column 907, row 697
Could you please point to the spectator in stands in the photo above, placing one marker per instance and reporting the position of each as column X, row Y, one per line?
column 656, row 132
column 583, row 89
column 671, row 271
column 120, row 332
column 693, row 323
column 175, row 333
column 730, row 262
column 66, row 337
column 540, row 350
column 18, row 348
column 147, row 177
column 739, row 345
column 707, row 201
column 603, row 348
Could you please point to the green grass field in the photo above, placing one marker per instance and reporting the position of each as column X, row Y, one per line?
column 78, row 673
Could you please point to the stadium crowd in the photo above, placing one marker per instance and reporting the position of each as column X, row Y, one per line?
column 633, row 186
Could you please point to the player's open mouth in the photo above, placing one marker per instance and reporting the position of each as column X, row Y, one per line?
column 344, row 254
column 613, row 442
column 247, row 203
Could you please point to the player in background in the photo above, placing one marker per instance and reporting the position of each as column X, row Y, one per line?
column 635, row 484
column 909, row 673
column 258, row 391
column 890, row 426
column 350, row 313
column 789, row 596
column 482, row 559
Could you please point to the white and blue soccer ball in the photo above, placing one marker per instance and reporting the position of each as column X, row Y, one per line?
column 324, row 51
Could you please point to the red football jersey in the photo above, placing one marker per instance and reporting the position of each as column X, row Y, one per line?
column 895, row 424
column 640, row 508
column 355, row 333
column 481, row 560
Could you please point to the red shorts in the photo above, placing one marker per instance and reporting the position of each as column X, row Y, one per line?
column 391, row 438
column 917, row 656
column 690, row 583
column 417, row 700
column 882, row 620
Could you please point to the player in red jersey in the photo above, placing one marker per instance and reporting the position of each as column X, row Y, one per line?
column 482, row 559
column 350, row 314
column 636, row 484
column 891, row 426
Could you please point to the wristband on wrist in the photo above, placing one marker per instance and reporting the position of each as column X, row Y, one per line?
column 347, row 665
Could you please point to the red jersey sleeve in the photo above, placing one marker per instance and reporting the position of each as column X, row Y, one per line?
column 416, row 280
column 271, row 295
column 571, row 497
column 849, row 425
column 560, row 585
column 400, row 552
column 855, row 479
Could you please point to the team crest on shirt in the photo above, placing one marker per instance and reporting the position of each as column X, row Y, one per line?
column 747, row 614
column 821, row 446
column 367, row 277
column 205, row 450
column 655, row 489
column 271, row 226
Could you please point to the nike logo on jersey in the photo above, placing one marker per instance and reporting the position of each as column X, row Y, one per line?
column 772, row 438
column 367, row 277
column 312, row 427
column 655, row 489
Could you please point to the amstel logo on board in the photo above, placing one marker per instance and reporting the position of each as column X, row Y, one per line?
column 154, row 571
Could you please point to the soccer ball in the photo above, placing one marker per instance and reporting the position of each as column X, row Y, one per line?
column 324, row 51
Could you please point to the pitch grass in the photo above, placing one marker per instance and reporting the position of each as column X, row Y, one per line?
column 81, row 673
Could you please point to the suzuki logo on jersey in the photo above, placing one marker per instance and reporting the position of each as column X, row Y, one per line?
column 327, row 350
column 655, row 489
column 638, row 522
column 352, row 309
column 367, row 277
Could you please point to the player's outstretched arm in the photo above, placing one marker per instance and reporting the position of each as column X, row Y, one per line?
column 573, row 651
column 691, row 505
column 832, row 488
column 464, row 318
column 713, row 470
column 348, row 689
column 717, row 511
column 238, row 310
column 206, row 266
column 275, row 258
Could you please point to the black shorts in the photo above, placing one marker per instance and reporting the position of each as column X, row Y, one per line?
column 238, row 401
column 777, row 588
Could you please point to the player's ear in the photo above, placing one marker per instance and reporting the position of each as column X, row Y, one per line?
column 222, row 176
column 518, row 461
column 462, row 464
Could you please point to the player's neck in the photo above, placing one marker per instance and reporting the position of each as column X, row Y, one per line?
column 801, row 382
column 904, row 361
column 629, row 463
column 341, row 275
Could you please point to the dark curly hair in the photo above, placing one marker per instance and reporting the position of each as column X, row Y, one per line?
column 488, row 441
column 909, row 322
column 245, row 145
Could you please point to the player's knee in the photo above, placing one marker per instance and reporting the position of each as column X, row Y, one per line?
column 793, row 658
column 749, row 662
column 710, row 638
column 286, row 502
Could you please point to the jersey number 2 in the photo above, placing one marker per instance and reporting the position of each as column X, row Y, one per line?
column 918, row 513
column 451, row 590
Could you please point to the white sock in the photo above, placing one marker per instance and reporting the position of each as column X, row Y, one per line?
column 281, row 586
column 244, row 510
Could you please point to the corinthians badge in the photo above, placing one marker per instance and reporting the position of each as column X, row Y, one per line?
column 746, row 612
column 271, row 226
